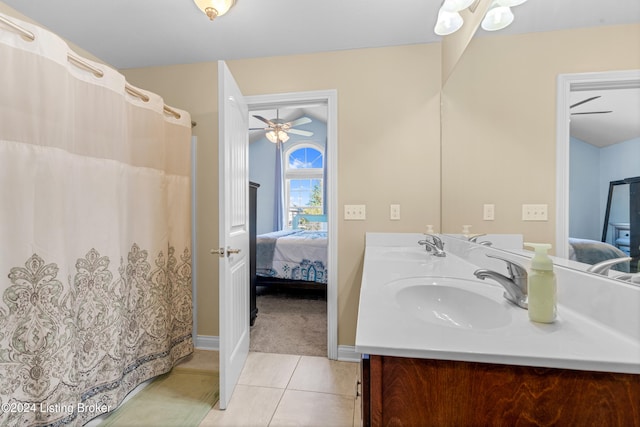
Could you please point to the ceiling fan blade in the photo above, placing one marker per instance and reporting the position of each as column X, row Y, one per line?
column 259, row 128
column 592, row 112
column 300, row 121
column 269, row 122
column 300, row 132
column 585, row 100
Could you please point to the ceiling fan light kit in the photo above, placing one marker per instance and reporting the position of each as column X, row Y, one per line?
column 498, row 16
column 279, row 136
column 278, row 130
column 214, row 8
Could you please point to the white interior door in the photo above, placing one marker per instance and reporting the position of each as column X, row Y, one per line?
column 234, row 231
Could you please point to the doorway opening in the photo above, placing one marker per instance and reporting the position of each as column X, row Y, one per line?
column 575, row 93
column 293, row 158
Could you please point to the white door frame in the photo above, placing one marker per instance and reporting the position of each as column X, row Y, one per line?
column 330, row 98
column 565, row 85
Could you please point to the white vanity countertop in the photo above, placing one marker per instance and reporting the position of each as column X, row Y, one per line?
column 574, row 341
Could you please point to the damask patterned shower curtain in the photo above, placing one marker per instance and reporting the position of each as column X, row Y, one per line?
column 95, row 262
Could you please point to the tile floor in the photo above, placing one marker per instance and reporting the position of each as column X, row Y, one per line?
column 285, row 390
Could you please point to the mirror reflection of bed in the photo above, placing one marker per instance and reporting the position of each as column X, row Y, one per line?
column 620, row 230
column 290, row 250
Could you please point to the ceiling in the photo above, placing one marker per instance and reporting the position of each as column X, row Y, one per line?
column 601, row 130
column 142, row 33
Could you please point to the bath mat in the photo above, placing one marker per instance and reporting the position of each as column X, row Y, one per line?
column 182, row 397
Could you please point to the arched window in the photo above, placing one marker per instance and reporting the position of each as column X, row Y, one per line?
column 303, row 176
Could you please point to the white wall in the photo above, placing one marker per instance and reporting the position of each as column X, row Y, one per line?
column 591, row 171
column 584, row 191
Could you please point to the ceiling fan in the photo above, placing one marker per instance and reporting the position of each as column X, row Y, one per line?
column 588, row 112
column 278, row 130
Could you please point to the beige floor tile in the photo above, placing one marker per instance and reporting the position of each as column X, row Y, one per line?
column 202, row 359
column 326, row 376
column 268, row 369
column 249, row 406
column 357, row 412
column 303, row 408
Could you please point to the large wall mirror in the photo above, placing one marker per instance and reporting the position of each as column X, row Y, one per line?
column 500, row 113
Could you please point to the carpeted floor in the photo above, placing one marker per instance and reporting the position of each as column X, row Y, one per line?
column 290, row 321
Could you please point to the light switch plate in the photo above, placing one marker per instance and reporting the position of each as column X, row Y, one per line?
column 355, row 212
column 534, row 212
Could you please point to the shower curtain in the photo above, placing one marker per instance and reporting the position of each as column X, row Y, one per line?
column 95, row 250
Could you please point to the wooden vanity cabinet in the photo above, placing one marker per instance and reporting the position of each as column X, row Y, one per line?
column 400, row 391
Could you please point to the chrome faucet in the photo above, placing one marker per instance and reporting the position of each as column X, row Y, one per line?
column 515, row 285
column 629, row 277
column 604, row 266
column 474, row 239
column 436, row 245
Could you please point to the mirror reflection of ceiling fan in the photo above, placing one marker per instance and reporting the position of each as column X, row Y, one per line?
column 588, row 112
column 278, row 130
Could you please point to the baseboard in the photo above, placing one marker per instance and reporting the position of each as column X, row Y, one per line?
column 348, row 353
column 207, row 342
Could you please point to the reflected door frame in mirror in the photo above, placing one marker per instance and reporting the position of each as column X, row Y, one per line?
column 565, row 84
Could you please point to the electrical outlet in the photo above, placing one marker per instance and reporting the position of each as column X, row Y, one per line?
column 489, row 212
column 355, row 212
column 534, row 212
column 394, row 212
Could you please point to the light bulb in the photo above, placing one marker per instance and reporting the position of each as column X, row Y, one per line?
column 497, row 18
column 448, row 22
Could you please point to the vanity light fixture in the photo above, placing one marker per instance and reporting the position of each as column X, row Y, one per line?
column 214, row 8
column 497, row 17
column 448, row 22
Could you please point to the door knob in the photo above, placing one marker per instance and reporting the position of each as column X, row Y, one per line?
column 221, row 251
column 232, row 251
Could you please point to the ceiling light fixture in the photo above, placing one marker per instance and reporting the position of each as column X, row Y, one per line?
column 498, row 16
column 214, row 8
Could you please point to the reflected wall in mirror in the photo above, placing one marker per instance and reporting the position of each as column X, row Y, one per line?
column 499, row 125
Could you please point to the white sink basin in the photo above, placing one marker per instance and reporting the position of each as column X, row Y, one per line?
column 452, row 302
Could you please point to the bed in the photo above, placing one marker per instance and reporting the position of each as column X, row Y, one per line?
column 593, row 252
column 290, row 256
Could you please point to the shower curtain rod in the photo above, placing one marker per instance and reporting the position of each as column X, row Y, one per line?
column 78, row 62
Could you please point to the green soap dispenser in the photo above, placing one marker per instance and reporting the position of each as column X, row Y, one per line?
column 542, row 285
